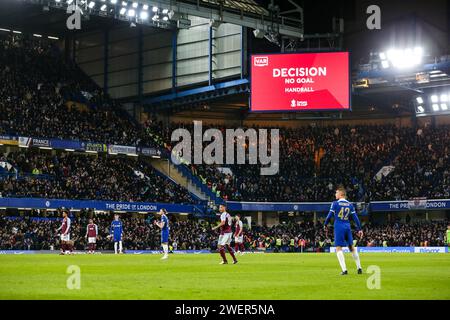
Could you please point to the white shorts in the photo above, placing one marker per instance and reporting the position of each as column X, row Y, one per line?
column 239, row 239
column 92, row 240
column 225, row 239
column 65, row 237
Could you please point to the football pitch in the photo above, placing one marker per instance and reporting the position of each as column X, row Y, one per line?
column 255, row 277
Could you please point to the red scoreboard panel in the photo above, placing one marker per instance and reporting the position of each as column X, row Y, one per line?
column 300, row 82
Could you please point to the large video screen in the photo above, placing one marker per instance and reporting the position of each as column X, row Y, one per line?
column 300, row 82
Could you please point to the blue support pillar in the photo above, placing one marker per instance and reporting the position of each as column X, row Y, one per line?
column 105, row 60
column 243, row 52
column 140, row 64
column 210, row 57
column 174, row 60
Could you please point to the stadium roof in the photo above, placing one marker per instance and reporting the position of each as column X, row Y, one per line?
column 31, row 18
column 249, row 6
column 51, row 17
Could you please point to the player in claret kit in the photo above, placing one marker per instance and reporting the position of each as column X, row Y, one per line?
column 239, row 235
column 342, row 210
column 225, row 234
column 66, row 247
column 91, row 235
column 116, row 232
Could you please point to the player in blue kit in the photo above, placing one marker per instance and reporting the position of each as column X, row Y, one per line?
column 342, row 210
column 164, row 226
column 115, row 232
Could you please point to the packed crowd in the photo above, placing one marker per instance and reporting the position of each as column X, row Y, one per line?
column 313, row 161
column 39, row 233
column 422, row 167
column 36, row 87
column 405, row 235
column 67, row 175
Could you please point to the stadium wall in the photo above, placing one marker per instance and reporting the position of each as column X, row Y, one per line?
column 209, row 122
column 438, row 120
column 89, row 54
column 407, row 121
column 399, row 121
column 134, row 62
column 396, row 249
column 414, row 216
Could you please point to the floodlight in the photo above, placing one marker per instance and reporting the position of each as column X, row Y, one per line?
column 259, row 34
column 144, row 15
column 405, row 58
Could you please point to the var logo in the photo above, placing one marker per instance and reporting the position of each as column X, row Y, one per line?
column 261, row 61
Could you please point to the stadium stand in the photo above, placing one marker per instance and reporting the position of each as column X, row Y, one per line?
column 42, row 95
column 313, row 164
column 35, row 173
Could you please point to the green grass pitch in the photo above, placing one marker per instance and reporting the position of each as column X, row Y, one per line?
column 257, row 276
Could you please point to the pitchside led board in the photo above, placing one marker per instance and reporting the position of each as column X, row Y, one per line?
column 300, row 82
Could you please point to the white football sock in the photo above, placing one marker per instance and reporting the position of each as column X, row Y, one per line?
column 341, row 258
column 115, row 247
column 355, row 256
column 120, row 246
column 165, row 249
